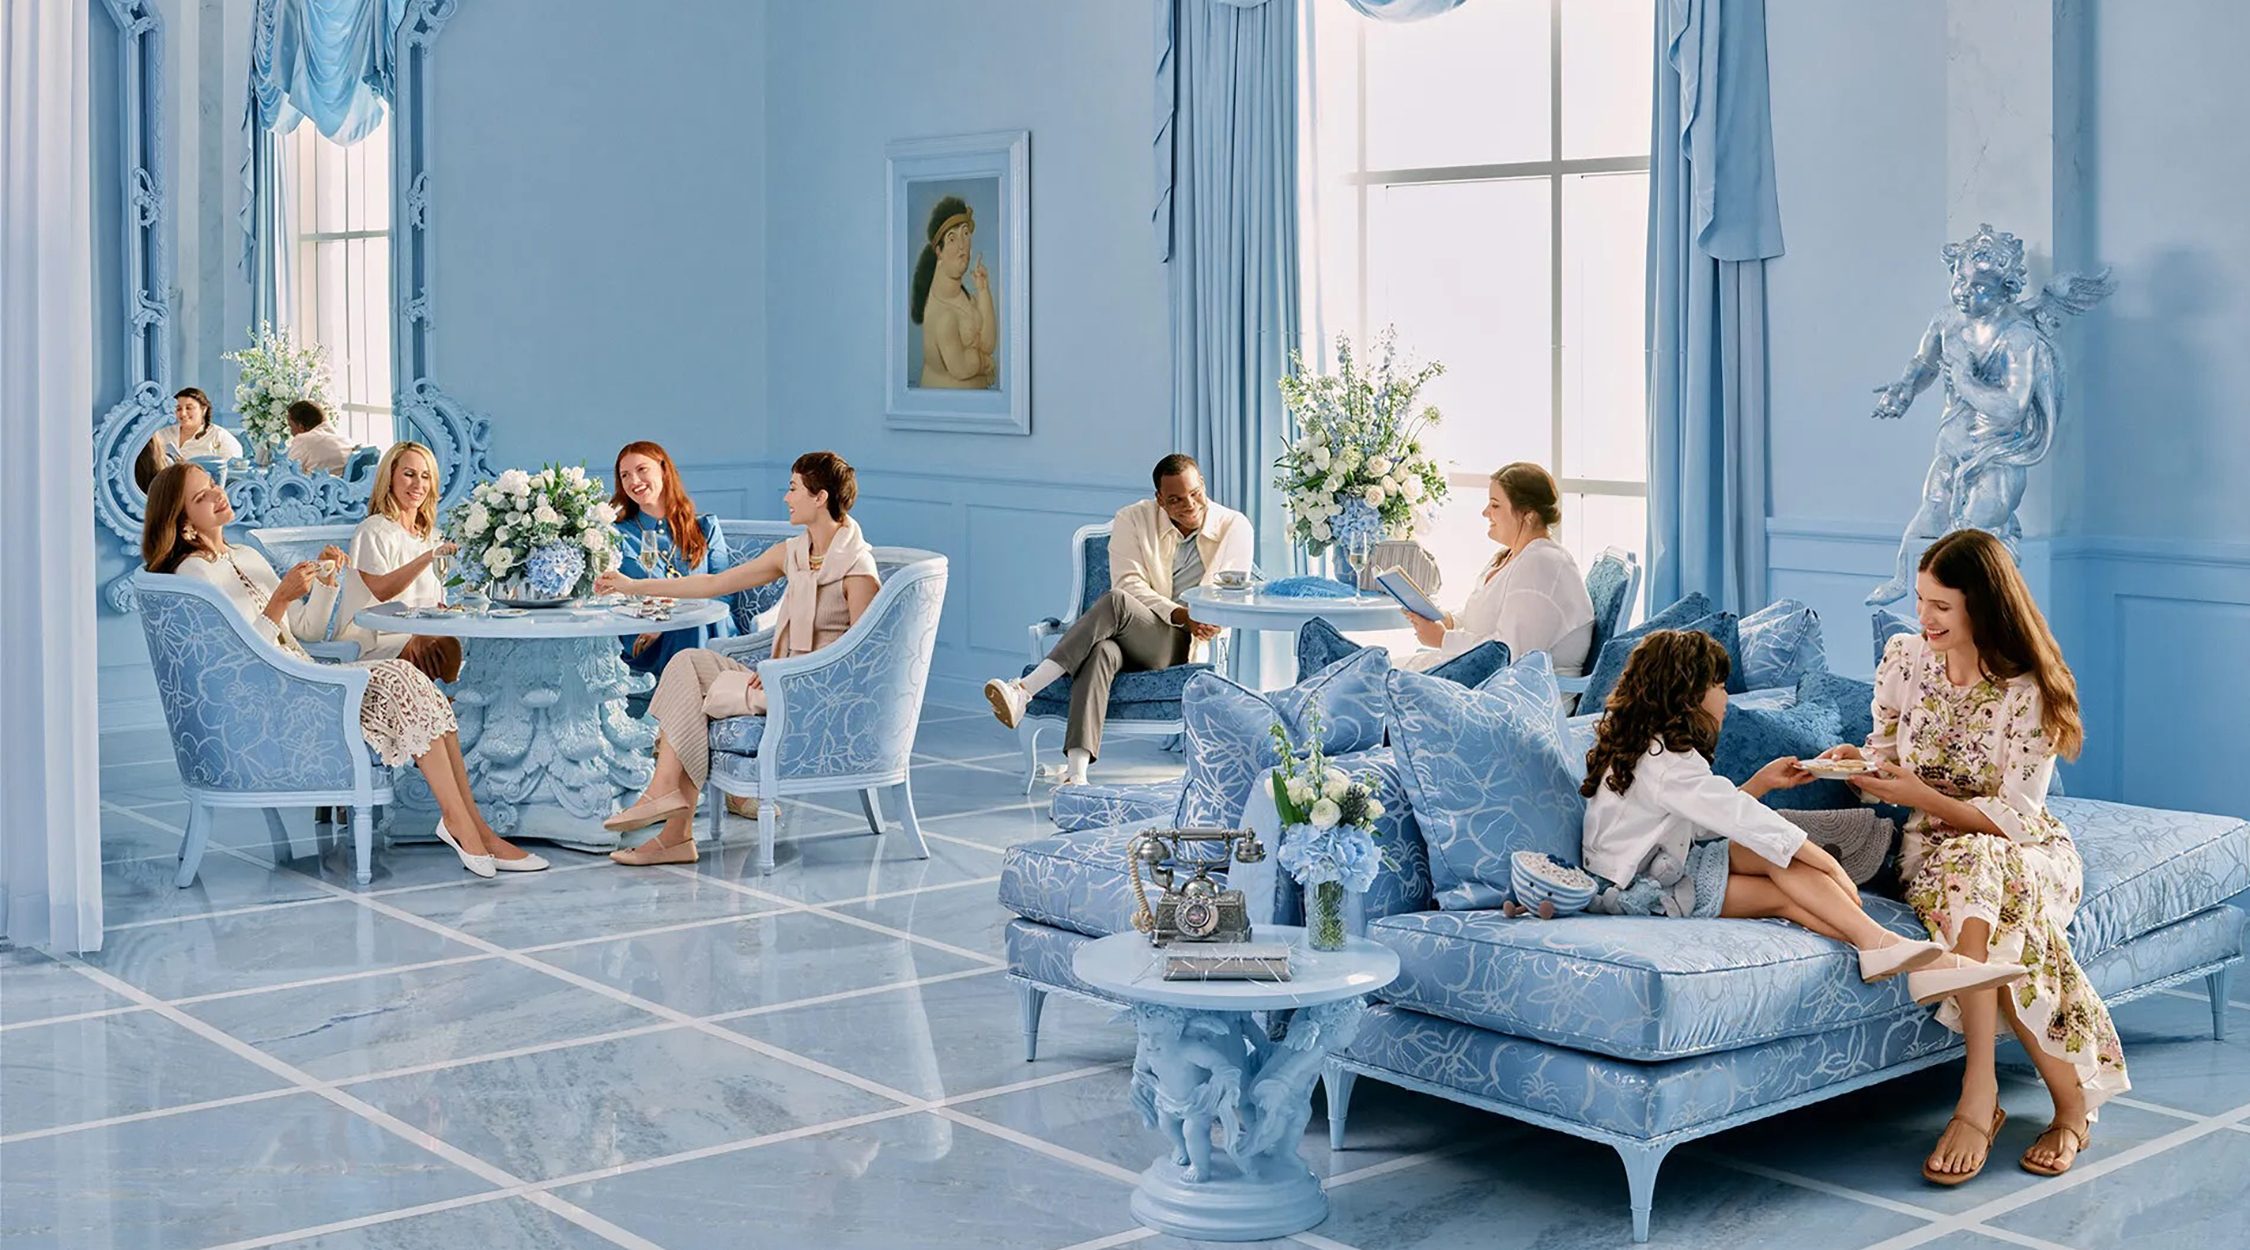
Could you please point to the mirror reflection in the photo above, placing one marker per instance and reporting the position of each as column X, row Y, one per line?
column 314, row 443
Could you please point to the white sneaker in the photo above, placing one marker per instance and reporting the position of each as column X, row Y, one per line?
column 1008, row 700
column 1958, row 974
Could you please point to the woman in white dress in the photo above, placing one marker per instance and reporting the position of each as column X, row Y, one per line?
column 395, row 554
column 192, row 433
column 402, row 715
column 1532, row 596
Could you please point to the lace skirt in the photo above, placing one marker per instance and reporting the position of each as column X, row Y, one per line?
column 402, row 713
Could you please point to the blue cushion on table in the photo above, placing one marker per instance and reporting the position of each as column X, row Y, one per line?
column 1147, row 685
column 1780, row 643
column 1320, row 644
column 1644, row 988
column 1609, row 664
column 1889, row 625
column 738, row 735
column 1230, row 730
column 1092, row 806
column 1752, row 738
column 1490, row 775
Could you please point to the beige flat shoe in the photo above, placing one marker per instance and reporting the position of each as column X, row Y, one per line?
column 1904, row 955
column 1960, row 976
column 654, row 852
column 747, row 807
column 649, row 811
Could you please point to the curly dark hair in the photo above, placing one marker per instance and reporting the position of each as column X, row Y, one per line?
column 1659, row 699
column 925, row 266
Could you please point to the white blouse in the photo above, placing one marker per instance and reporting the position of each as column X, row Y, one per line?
column 215, row 440
column 1674, row 800
column 321, row 449
column 248, row 582
column 1537, row 601
column 382, row 545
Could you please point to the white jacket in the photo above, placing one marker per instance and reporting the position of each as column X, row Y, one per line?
column 1143, row 542
column 1676, row 799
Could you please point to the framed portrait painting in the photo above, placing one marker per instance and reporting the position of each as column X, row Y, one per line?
column 958, row 283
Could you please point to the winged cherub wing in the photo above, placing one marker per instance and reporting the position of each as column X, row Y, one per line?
column 2067, row 295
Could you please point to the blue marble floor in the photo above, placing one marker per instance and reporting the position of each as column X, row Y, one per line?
column 829, row 1057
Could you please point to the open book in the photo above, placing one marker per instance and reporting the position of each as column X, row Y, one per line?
column 1401, row 587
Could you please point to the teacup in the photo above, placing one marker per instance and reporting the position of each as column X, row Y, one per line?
column 1231, row 579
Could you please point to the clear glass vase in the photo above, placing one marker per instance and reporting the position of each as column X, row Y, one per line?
column 1324, row 916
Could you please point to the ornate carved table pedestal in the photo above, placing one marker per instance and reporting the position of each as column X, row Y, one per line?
column 541, row 703
column 1203, row 1062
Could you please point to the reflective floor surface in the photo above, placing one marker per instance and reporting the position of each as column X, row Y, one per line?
column 829, row 1057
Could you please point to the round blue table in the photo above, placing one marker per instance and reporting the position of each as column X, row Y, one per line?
column 1202, row 1060
column 541, row 705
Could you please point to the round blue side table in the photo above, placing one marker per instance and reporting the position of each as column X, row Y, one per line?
column 1203, row 1062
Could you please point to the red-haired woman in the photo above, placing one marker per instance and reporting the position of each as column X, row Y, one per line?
column 661, row 536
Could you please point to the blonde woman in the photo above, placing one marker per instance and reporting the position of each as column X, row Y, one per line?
column 394, row 560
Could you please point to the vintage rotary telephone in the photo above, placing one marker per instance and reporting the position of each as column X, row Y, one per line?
column 1196, row 910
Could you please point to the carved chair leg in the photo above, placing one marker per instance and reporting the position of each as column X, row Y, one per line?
column 363, row 846
column 1027, row 736
column 191, row 846
column 907, row 818
column 767, row 824
column 715, row 800
column 1337, row 1080
column 2217, row 984
column 1032, row 999
column 873, row 806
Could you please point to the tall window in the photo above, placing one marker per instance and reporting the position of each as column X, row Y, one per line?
column 1479, row 182
column 340, row 211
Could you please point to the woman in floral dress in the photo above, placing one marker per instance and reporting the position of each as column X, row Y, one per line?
column 1970, row 716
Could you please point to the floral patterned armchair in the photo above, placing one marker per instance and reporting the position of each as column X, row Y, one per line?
column 842, row 717
column 253, row 726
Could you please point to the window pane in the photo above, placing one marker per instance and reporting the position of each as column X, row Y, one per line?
column 1457, row 538
column 1594, row 523
column 1470, row 87
column 1462, row 271
column 1609, row 59
column 1605, row 354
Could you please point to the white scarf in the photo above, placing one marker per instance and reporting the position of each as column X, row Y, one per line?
column 847, row 554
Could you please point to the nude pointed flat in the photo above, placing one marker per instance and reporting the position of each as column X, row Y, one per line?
column 650, row 810
column 1901, row 956
column 653, row 852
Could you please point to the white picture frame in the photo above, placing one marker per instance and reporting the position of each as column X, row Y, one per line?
column 982, row 182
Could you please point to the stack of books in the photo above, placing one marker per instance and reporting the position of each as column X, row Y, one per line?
column 1227, row 961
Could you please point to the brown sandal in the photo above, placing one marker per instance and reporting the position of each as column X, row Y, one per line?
column 1950, row 1179
column 2080, row 1140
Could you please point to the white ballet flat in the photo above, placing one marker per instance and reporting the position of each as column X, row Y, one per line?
column 529, row 863
column 478, row 864
column 1931, row 984
column 1900, row 956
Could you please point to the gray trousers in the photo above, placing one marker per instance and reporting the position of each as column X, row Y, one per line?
column 1118, row 634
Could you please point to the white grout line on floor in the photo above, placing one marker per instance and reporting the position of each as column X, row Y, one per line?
column 13, row 1025
column 2140, row 1104
column 822, row 909
column 2022, row 1239
column 1815, row 1184
column 1318, row 1242
column 1390, row 1166
column 1040, row 1145
column 1126, row 1238
column 2204, row 998
column 153, row 1113
column 2080, row 1174
column 381, row 1119
column 822, row 1000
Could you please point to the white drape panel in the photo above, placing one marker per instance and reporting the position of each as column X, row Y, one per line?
column 50, row 827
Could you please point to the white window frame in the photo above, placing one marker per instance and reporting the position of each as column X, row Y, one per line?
column 370, row 424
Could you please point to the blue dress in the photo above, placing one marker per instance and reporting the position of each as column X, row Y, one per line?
column 649, row 552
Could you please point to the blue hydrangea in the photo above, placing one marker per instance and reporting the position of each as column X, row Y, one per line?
column 554, row 570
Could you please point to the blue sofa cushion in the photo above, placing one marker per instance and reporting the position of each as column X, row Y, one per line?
column 738, row 735
column 1230, row 729
column 1780, row 645
column 1489, row 775
column 1093, row 806
column 1160, row 685
column 1854, row 701
column 1073, row 881
column 1319, row 645
column 2145, row 868
column 1646, row 988
column 1889, row 625
column 1752, row 737
column 1609, row 665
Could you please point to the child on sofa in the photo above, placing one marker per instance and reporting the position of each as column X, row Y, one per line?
column 1667, row 836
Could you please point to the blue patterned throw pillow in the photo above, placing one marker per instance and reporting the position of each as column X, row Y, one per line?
column 1780, row 644
column 1610, row 665
column 1230, row 729
column 1752, row 738
column 1854, row 701
column 1320, row 644
column 1489, row 774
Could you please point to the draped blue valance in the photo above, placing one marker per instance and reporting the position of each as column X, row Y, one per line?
column 1714, row 220
column 327, row 61
column 1404, row 10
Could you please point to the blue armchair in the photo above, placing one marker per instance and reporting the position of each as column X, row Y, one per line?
column 252, row 725
column 753, row 608
column 1141, row 704
column 287, row 545
column 842, row 717
column 1612, row 582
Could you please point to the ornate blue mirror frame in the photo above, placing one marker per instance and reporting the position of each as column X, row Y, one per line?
column 280, row 493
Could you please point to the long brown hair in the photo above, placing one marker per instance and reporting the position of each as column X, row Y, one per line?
column 2012, row 636
column 1659, row 699
column 679, row 509
column 163, row 546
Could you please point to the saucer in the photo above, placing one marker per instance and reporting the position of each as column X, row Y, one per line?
column 1837, row 768
column 508, row 612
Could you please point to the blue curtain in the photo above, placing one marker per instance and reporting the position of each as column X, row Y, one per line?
column 1714, row 220
column 324, row 61
column 1226, row 220
column 1403, row 10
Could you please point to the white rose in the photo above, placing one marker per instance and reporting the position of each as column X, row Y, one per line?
column 1321, row 458
column 575, row 473
column 514, row 482
column 1412, row 489
column 1334, row 783
column 475, row 519
column 498, row 559
column 277, row 408
column 1389, row 484
column 1322, row 531
column 1374, row 810
column 1299, row 792
column 605, row 513
column 545, row 515
column 595, row 540
column 1325, row 814
column 1374, row 496
column 1379, row 466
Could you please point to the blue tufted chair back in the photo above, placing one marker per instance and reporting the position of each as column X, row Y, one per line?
column 1611, row 584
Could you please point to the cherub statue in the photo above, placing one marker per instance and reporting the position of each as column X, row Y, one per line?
column 2003, row 393
column 1280, row 1102
column 1187, row 1076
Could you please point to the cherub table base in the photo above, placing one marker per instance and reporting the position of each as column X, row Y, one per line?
column 1200, row 1071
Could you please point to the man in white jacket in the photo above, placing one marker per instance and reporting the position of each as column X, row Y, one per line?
column 1158, row 549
